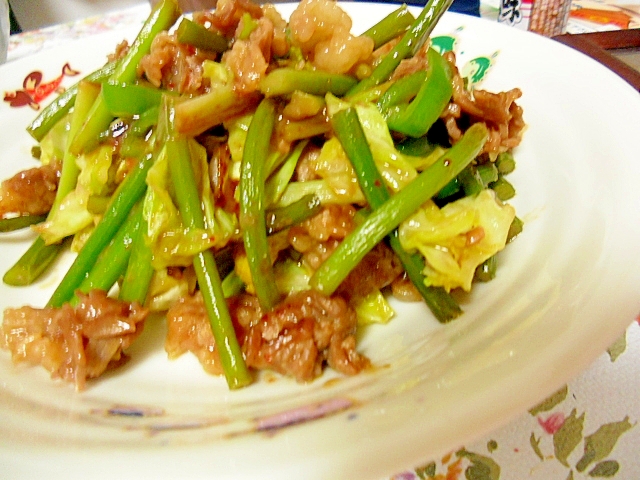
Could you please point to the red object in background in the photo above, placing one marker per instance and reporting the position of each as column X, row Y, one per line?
column 34, row 91
column 602, row 17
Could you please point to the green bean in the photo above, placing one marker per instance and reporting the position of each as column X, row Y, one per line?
column 351, row 135
column 470, row 181
column 503, row 188
column 394, row 24
column 278, row 180
column 162, row 17
column 192, row 33
column 410, row 43
column 516, row 227
column 488, row 173
column 505, row 163
column 398, row 208
column 18, row 223
column 449, row 190
column 283, row 81
column 139, row 272
column 188, row 200
column 39, row 256
column 112, row 261
column 252, row 204
column 129, row 192
column 56, row 110
column 486, row 271
column 284, row 217
column 33, row 263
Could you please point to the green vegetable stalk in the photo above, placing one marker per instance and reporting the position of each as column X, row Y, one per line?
column 39, row 256
column 252, row 204
column 139, row 272
column 186, row 190
column 410, row 43
column 162, row 17
column 283, row 81
column 56, row 110
column 112, row 262
column 394, row 24
column 128, row 194
column 398, row 208
column 349, row 131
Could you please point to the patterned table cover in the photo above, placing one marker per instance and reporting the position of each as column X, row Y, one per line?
column 587, row 430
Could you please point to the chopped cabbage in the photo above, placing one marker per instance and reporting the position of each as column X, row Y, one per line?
column 170, row 241
column 73, row 214
column 374, row 308
column 456, row 239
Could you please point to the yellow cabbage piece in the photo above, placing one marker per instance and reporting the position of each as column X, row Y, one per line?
column 457, row 238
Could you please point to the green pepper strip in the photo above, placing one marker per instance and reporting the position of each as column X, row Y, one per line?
column 39, row 256
column 283, row 81
column 112, row 261
column 126, row 100
column 417, row 117
column 194, row 34
column 252, row 203
column 394, row 24
column 162, row 17
column 127, row 195
column 402, row 91
column 56, row 110
column 188, row 200
column 18, row 223
column 398, row 208
column 351, row 135
column 410, row 43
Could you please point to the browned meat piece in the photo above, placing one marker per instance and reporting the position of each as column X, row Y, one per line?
column 227, row 15
column 249, row 59
column 498, row 111
column 378, row 269
column 174, row 66
column 73, row 344
column 188, row 330
column 302, row 333
column 317, row 237
column 121, row 50
column 30, row 192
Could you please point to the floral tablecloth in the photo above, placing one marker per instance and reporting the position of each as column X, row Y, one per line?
column 588, row 429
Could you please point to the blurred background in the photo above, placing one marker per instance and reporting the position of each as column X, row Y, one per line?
column 26, row 16
column 30, row 15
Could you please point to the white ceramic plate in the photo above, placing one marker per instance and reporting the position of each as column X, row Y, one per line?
column 566, row 289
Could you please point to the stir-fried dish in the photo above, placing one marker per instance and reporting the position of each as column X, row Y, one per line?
column 266, row 184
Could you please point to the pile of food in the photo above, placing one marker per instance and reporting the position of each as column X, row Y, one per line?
column 267, row 184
